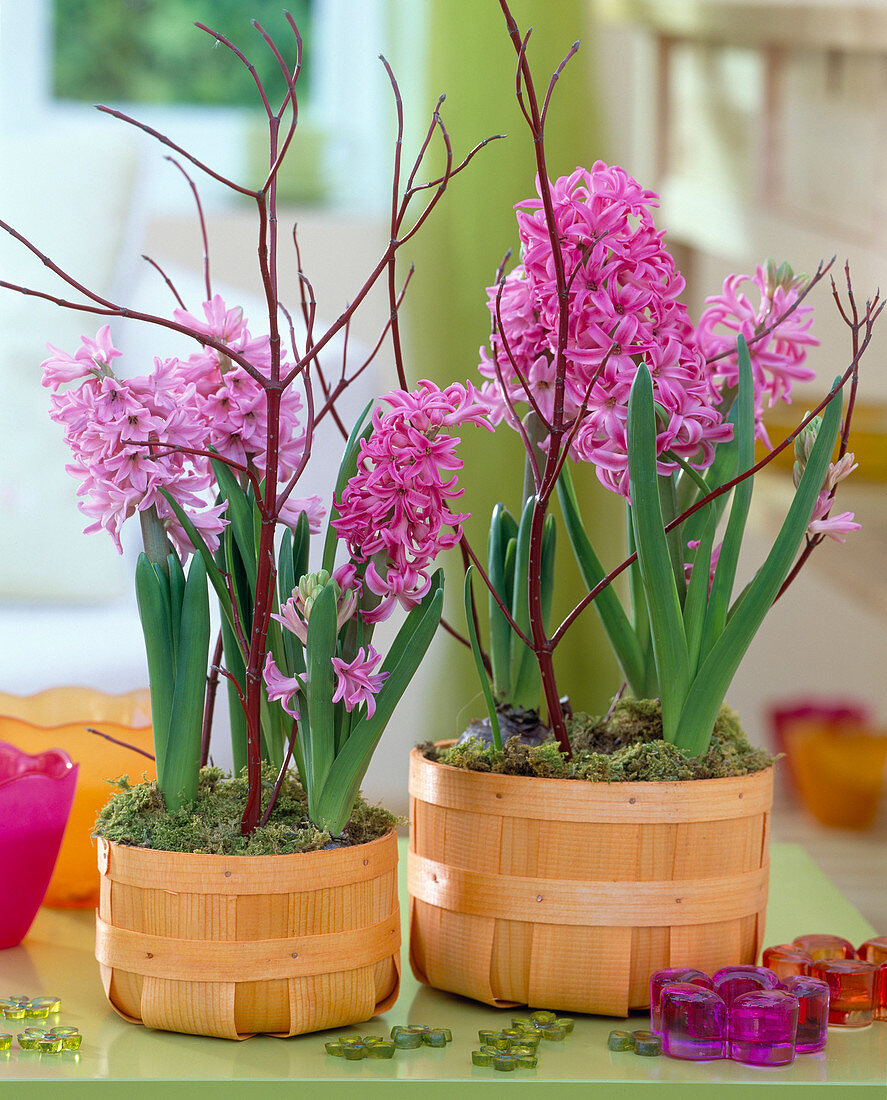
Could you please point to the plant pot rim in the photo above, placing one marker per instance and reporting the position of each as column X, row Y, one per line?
column 764, row 775
column 361, row 858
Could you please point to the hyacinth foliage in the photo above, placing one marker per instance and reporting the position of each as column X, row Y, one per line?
column 593, row 359
column 207, row 451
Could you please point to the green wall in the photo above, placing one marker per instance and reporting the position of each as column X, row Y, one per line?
column 471, row 58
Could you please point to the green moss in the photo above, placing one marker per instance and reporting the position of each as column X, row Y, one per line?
column 623, row 746
column 136, row 815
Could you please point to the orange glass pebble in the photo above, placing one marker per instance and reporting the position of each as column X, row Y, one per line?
column 825, row 947
column 874, row 951
column 786, row 961
column 851, row 985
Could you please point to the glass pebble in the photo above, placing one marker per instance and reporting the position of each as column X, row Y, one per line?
column 19, row 998
column 812, row 994
column 485, row 1035
column 522, row 1022
column 620, row 1040
column 354, row 1052
column 14, row 1012
column 873, row 951
column 825, row 947
column 6, row 1041
column 646, row 1043
column 543, row 1016
column 763, row 1027
column 71, row 1042
column 566, row 1023
column 335, row 1048
column 661, row 978
column 64, row 1031
column 525, row 1061
column 694, row 1022
column 51, row 1004
column 851, row 990
column 50, row 1044
column 407, row 1040
column 36, row 1013
column 28, row 1042
column 553, row 1032
column 434, row 1037
column 731, row 982
column 504, row 1062
column 380, row 1048
column 786, row 960
column 481, row 1058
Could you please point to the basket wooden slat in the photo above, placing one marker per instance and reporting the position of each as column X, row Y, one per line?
column 275, row 944
column 569, row 895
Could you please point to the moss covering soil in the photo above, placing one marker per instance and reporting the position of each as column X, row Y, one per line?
column 624, row 746
column 136, row 816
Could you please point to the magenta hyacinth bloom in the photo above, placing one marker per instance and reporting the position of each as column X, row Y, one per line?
column 394, row 512
column 623, row 305
column 357, row 683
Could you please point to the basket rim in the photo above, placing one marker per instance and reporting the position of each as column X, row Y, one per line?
column 763, row 776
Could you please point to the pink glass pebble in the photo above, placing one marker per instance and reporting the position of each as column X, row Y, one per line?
column 786, row 960
column 825, row 947
column 731, row 982
column 875, row 951
column 762, row 1027
column 813, row 997
column 666, row 977
column 693, row 1022
column 851, row 990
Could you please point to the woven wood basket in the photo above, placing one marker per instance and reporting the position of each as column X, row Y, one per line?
column 235, row 945
column 568, row 895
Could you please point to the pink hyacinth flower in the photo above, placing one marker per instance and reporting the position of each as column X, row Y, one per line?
column 282, row 689
column 834, row 526
column 356, row 681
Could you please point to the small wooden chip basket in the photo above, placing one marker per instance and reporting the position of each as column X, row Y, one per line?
column 568, row 895
column 235, row 945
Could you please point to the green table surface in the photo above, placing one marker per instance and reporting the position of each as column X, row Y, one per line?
column 119, row 1059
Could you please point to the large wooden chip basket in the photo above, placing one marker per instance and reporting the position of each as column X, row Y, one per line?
column 568, row 895
column 234, row 945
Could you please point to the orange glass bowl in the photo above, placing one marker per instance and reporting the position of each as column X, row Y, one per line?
column 57, row 719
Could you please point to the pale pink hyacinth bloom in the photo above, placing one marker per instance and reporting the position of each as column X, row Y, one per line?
column 282, row 689
column 693, row 544
column 232, row 404
column 821, row 523
column 122, row 434
column 777, row 360
column 623, row 307
column 357, row 683
column 395, row 509
column 293, row 507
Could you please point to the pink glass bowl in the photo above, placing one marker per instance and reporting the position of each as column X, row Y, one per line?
column 36, row 793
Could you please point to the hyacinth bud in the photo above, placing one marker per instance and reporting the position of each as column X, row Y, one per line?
column 840, row 470
column 781, row 275
column 804, row 445
column 309, row 588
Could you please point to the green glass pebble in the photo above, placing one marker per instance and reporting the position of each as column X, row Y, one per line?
column 485, row 1035
column 354, row 1052
column 513, row 1033
column 504, row 1062
column 71, row 1042
column 481, row 1058
column 19, row 999
column 553, row 1032
column 335, row 1048
column 566, row 1023
column 14, row 1012
column 50, row 1044
column 647, row 1043
column 620, row 1040
column 51, row 1004
column 522, row 1022
column 380, row 1048
column 36, row 1013
column 543, row 1017
column 530, row 1039
column 6, row 1041
column 28, row 1042
column 498, row 1041
column 434, row 1037
column 35, row 1031
column 521, row 1050
column 63, row 1031
column 407, row 1040
column 525, row 1061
